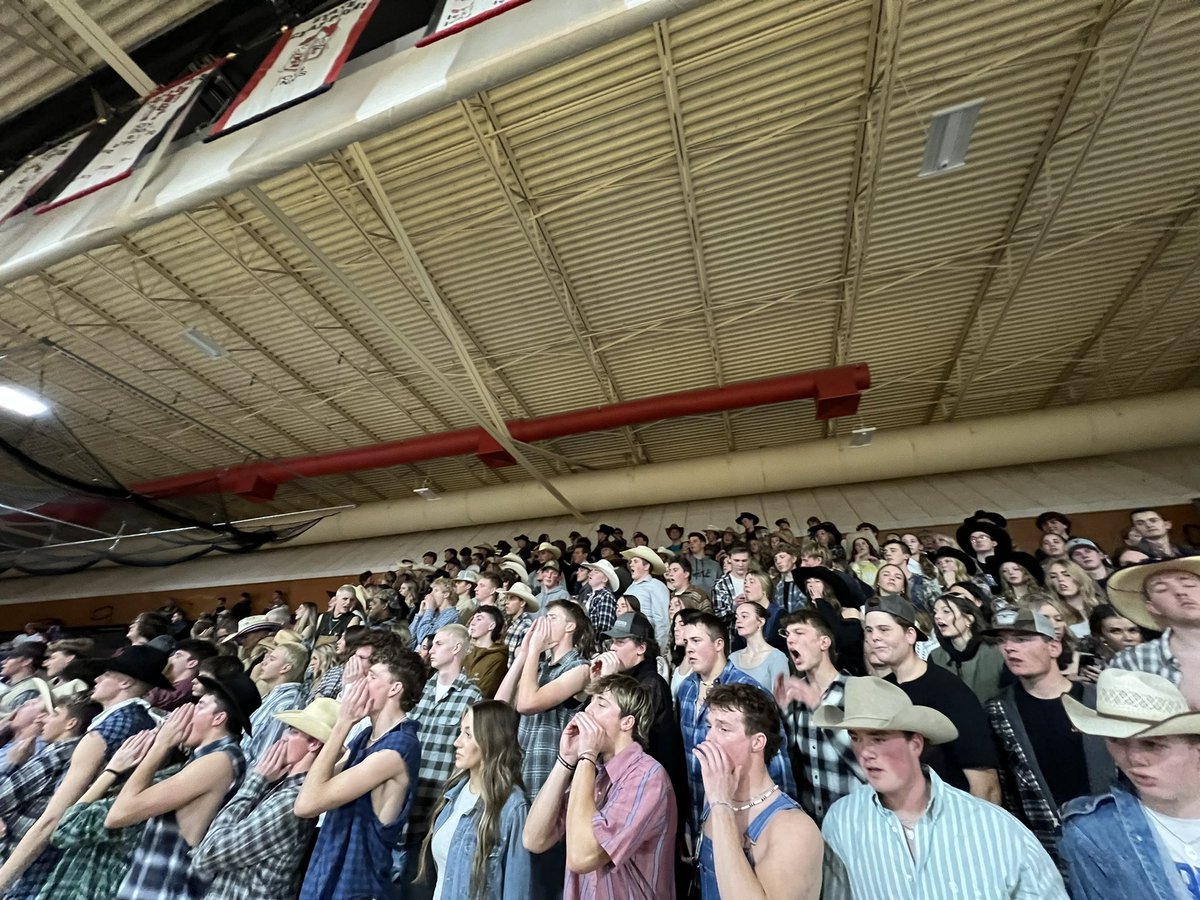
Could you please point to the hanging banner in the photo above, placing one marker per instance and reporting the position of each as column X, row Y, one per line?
column 119, row 156
column 452, row 16
column 305, row 62
column 28, row 177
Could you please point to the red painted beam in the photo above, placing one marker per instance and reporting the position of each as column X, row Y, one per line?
column 836, row 391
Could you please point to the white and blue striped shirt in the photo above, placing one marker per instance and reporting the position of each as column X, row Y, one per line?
column 964, row 847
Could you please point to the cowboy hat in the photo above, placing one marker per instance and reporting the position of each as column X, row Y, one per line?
column 833, row 581
column 522, row 537
column 237, row 691
column 513, row 558
column 868, row 536
column 316, row 720
column 1026, row 561
column 424, row 567
column 603, row 565
column 747, row 515
column 360, row 593
column 674, row 526
column 1125, row 588
column 468, row 575
column 828, row 527
column 522, row 591
column 69, row 689
column 517, row 569
column 872, row 704
column 1133, row 704
column 969, row 563
column 145, row 663
column 549, row 548
column 657, row 566
column 666, row 554
column 990, row 523
column 250, row 624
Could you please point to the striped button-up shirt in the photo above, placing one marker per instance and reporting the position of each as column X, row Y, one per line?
column 1154, row 657
column 267, row 728
column 635, row 823
column 963, row 847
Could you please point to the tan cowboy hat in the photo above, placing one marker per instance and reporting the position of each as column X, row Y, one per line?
column 424, row 568
column 657, row 566
column 666, row 554
column 520, row 590
column 1133, row 704
column 848, row 542
column 316, row 720
column 468, row 575
column 516, row 568
column 513, row 558
column 550, row 548
column 873, row 704
column 1125, row 588
column 69, row 689
column 252, row 623
column 603, row 565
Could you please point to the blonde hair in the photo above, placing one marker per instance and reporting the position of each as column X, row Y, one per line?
column 1087, row 587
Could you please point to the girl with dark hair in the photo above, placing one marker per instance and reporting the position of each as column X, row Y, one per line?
column 478, row 824
column 958, row 623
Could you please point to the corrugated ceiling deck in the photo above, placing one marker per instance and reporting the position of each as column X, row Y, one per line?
column 554, row 217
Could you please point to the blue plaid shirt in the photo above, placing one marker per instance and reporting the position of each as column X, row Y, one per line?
column 693, row 721
column 161, row 867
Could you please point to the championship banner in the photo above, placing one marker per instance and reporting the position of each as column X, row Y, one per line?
column 453, row 16
column 305, row 62
column 28, row 177
column 119, row 156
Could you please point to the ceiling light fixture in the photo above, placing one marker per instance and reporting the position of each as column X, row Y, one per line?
column 203, row 343
column 22, row 402
column 949, row 134
column 425, row 492
column 862, row 436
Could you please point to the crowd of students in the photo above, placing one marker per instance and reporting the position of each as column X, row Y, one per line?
column 737, row 713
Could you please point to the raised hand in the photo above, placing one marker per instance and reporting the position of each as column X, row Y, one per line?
column 133, row 751
column 720, row 776
column 789, row 689
column 274, row 764
column 175, row 729
column 356, row 703
column 568, row 744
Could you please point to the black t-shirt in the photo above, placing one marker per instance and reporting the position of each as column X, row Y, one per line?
column 329, row 624
column 974, row 748
column 1057, row 746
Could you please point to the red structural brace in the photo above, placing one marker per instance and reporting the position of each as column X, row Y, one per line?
column 837, row 393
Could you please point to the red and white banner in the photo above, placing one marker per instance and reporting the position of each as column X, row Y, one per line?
column 305, row 62
column 453, row 16
column 119, row 156
column 28, row 177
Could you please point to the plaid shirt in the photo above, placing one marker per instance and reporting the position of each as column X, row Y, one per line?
column 1035, row 807
column 160, row 869
column 430, row 622
column 539, row 733
column 602, row 610
column 722, row 598
column 329, row 685
column 98, row 857
column 26, row 792
column 255, row 845
column 828, row 769
column 437, row 725
column 516, row 633
column 1154, row 657
column 266, row 728
column 693, row 721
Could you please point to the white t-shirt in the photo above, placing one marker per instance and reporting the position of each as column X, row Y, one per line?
column 1181, row 837
column 444, row 836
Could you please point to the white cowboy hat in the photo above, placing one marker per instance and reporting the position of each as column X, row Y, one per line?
column 522, row 591
column 550, row 548
column 316, row 720
column 657, row 566
column 666, row 554
column 516, row 568
column 468, row 575
column 252, row 623
column 603, row 565
column 873, row 704
column 1133, row 704
column 1125, row 588
column 513, row 558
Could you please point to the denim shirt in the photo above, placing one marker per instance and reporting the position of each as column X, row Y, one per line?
column 508, row 875
column 1111, row 850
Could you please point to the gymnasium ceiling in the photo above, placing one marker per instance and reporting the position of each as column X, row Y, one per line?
column 728, row 195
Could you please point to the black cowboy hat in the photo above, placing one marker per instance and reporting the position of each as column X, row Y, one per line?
column 605, row 529
column 834, row 581
column 990, row 523
column 826, row 526
column 1027, row 561
column 237, row 691
column 747, row 515
column 145, row 663
column 522, row 537
column 674, row 526
column 969, row 562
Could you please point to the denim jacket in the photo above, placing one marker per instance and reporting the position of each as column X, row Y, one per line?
column 1110, row 850
column 508, row 875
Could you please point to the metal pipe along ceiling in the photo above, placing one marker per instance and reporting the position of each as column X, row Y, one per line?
column 836, row 391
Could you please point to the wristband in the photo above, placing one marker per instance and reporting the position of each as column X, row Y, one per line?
column 589, row 759
column 114, row 772
column 566, row 765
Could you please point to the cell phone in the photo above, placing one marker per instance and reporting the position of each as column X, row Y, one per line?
column 1087, row 659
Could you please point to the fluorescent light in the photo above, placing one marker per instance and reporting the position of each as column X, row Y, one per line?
column 22, row 402
column 426, row 493
column 949, row 133
column 862, row 436
column 203, row 343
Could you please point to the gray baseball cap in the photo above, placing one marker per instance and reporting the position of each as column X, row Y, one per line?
column 1025, row 621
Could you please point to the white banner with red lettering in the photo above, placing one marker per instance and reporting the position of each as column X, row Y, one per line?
column 28, row 177
column 116, row 161
column 453, row 16
column 305, row 62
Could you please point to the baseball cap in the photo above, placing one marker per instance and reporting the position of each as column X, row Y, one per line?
column 631, row 624
column 1075, row 543
column 1026, row 621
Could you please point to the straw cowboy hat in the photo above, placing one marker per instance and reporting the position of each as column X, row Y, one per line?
column 666, row 554
column 521, row 590
column 316, row 720
column 549, row 548
column 468, row 575
column 657, row 566
column 873, row 704
column 1125, row 588
column 603, row 565
column 1133, row 704
column 869, row 537
column 517, row 569
column 250, row 624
